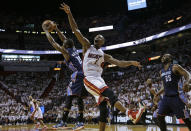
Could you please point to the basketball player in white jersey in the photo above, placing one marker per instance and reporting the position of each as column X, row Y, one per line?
column 93, row 60
column 37, row 115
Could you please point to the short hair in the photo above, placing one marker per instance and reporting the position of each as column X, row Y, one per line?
column 69, row 43
column 170, row 57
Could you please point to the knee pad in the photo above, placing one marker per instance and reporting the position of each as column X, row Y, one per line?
column 112, row 98
column 103, row 111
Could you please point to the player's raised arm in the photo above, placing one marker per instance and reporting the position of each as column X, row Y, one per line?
column 120, row 63
column 183, row 72
column 84, row 41
column 60, row 34
column 55, row 44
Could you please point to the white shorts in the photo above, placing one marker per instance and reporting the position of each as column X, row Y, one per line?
column 95, row 86
column 38, row 114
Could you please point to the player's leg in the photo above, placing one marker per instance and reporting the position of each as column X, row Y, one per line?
column 155, row 117
column 67, row 108
column 33, row 119
column 40, row 119
column 79, row 124
column 41, row 122
column 134, row 116
column 187, row 123
column 162, row 123
column 103, row 115
column 68, row 104
column 164, row 110
column 181, row 111
column 80, row 108
column 155, row 110
column 33, row 116
column 97, row 87
column 83, row 94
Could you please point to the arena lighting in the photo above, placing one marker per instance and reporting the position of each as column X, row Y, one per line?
column 57, row 69
column 182, row 28
column 111, row 66
column 25, row 32
column 18, row 31
column 170, row 21
column 42, row 32
column 154, row 58
column 111, row 47
column 101, row 28
column 178, row 18
column 133, row 52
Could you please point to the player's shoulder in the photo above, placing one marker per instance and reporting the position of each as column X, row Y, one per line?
column 91, row 47
column 176, row 67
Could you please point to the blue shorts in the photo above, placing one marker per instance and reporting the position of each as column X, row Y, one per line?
column 76, row 85
column 173, row 106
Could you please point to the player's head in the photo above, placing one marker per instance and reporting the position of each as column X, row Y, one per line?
column 30, row 98
column 99, row 40
column 68, row 43
column 149, row 81
column 35, row 101
column 167, row 58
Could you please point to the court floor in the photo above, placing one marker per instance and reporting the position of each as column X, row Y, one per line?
column 91, row 127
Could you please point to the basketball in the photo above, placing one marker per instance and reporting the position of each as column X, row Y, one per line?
column 49, row 25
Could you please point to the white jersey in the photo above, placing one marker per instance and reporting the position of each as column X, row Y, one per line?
column 93, row 61
column 38, row 112
column 32, row 104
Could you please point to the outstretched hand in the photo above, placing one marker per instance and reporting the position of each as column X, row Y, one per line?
column 136, row 63
column 65, row 7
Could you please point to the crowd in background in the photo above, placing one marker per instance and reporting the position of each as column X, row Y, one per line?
column 128, row 84
column 127, row 27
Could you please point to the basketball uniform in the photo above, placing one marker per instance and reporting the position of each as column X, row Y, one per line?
column 76, row 85
column 92, row 67
column 38, row 112
column 171, row 103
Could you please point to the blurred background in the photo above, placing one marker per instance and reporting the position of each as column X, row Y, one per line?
column 141, row 30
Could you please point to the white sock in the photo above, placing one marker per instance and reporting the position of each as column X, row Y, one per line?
column 127, row 110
